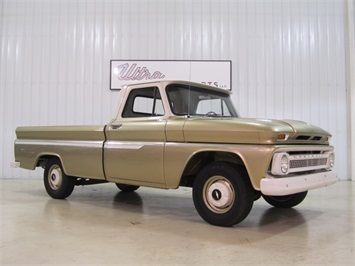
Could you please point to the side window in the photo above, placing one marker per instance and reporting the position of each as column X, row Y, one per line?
column 216, row 106
column 143, row 102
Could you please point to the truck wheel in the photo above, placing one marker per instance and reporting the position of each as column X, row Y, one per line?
column 126, row 188
column 287, row 201
column 223, row 194
column 58, row 185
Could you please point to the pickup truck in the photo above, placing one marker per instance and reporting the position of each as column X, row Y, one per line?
column 168, row 134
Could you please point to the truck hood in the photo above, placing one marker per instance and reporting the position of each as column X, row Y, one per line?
column 252, row 131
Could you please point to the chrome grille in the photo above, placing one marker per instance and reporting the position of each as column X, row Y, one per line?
column 307, row 163
column 296, row 162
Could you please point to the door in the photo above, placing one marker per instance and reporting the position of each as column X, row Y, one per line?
column 134, row 150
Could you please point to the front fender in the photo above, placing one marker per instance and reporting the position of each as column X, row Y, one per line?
column 256, row 159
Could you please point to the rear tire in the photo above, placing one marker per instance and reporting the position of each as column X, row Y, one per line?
column 222, row 194
column 58, row 185
column 287, row 201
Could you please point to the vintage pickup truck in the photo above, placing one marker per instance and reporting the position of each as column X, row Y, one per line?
column 168, row 134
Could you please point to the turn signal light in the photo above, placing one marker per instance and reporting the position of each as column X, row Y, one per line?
column 282, row 137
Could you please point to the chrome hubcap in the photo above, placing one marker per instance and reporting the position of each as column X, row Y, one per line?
column 55, row 177
column 219, row 194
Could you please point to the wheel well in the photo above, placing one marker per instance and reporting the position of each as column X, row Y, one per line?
column 42, row 160
column 201, row 159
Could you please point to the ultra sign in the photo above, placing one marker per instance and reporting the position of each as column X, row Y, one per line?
column 216, row 73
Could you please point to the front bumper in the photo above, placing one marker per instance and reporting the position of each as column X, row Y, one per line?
column 272, row 186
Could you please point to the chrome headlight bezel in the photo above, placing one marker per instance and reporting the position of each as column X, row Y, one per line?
column 285, row 162
column 280, row 164
column 331, row 160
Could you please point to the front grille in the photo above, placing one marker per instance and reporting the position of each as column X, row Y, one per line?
column 307, row 163
column 297, row 162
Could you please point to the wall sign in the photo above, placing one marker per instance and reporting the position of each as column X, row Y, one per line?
column 215, row 73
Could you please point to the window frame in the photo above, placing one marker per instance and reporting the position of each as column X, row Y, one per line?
column 143, row 92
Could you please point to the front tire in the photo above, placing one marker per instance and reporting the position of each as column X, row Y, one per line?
column 222, row 194
column 126, row 188
column 287, row 201
column 58, row 185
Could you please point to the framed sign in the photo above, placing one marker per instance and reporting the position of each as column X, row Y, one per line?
column 215, row 73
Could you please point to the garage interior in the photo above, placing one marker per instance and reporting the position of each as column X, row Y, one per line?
column 290, row 60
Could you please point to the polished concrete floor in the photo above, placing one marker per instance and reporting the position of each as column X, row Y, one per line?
column 100, row 225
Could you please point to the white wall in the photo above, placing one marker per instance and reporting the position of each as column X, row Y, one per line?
column 350, row 56
column 288, row 59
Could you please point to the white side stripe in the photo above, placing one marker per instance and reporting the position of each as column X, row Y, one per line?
column 130, row 145
column 71, row 143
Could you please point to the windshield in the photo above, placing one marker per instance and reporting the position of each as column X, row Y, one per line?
column 196, row 101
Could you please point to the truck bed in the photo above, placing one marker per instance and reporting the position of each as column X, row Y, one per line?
column 79, row 148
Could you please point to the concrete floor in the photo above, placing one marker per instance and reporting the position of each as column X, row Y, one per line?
column 100, row 225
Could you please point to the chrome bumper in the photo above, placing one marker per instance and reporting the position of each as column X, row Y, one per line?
column 290, row 185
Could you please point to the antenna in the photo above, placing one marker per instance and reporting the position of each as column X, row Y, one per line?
column 189, row 96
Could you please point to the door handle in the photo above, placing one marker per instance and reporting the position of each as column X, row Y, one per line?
column 116, row 126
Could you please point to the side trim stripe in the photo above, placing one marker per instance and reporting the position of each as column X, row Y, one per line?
column 72, row 143
column 130, row 145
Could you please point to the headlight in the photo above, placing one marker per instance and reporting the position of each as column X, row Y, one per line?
column 280, row 164
column 331, row 160
column 284, row 164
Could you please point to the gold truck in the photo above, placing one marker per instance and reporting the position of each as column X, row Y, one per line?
column 168, row 134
